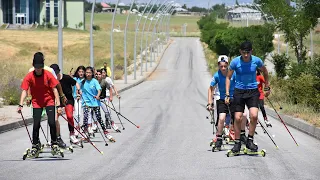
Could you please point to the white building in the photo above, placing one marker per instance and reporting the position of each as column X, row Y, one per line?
column 244, row 13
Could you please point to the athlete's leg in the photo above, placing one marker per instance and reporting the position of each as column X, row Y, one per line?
column 69, row 113
column 51, row 121
column 261, row 107
column 36, row 125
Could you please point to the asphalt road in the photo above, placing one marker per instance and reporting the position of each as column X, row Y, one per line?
column 173, row 141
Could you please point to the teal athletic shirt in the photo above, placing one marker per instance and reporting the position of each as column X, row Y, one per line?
column 246, row 72
column 220, row 79
column 89, row 90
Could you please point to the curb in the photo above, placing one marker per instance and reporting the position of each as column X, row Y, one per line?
column 296, row 123
column 19, row 124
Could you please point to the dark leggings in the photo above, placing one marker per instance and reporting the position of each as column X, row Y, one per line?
column 261, row 107
column 37, row 112
column 88, row 113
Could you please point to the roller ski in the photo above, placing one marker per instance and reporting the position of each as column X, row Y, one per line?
column 250, row 149
column 63, row 145
column 55, row 150
column 75, row 141
column 33, row 152
column 109, row 137
column 268, row 124
column 217, row 145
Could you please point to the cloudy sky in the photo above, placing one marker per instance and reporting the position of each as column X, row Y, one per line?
column 190, row 3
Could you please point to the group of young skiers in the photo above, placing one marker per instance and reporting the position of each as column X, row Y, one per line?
column 236, row 85
column 80, row 95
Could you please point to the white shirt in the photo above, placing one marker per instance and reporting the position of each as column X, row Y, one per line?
column 109, row 81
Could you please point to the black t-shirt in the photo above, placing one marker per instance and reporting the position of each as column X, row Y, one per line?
column 104, row 85
column 66, row 83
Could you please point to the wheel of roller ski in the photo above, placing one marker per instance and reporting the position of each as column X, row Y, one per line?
column 227, row 140
column 213, row 148
column 93, row 135
column 228, row 153
column 25, row 155
column 245, row 151
column 263, row 153
column 61, row 154
column 211, row 143
column 81, row 144
column 118, row 130
column 70, row 149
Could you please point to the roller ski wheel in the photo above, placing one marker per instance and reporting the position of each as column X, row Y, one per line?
column 55, row 150
column 31, row 153
column 227, row 140
column 118, row 130
column 217, row 145
column 249, row 152
column 80, row 143
column 230, row 153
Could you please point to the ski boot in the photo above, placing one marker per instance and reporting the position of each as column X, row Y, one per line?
column 109, row 137
column 95, row 127
column 251, row 146
column 90, row 131
column 55, row 150
column 33, row 152
column 268, row 124
column 217, row 145
column 75, row 141
column 213, row 141
column 235, row 150
column 243, row 138
column 115, row 127
column 61, row 143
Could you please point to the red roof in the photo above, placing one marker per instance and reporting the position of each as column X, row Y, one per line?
column 105, row 5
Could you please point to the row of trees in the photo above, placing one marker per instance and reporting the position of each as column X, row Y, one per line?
column 223, row 39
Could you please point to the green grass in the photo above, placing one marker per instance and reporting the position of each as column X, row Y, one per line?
column 104, row 20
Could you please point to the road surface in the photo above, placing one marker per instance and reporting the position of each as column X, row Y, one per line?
column 173, row 141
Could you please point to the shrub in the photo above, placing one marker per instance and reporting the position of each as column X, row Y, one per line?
column 302, row 90
column 280, row 63
column 11, row 92
column 96, row 27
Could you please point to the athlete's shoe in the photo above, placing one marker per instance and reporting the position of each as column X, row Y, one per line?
column 243, row 138
column 268, row 124
column 250, row 145
column 218, row 143
column 73, row 139
column 109, row 137
column 61, row 143
column 76, row 133
column 237, row 146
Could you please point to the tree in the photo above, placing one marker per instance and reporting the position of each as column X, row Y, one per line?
column 295, row 22
column 220, row 9
column 184, row 6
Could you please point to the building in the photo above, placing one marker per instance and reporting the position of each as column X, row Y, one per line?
column 244, row 13
column 26, row 12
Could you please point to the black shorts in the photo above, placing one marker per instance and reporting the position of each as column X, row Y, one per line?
column 223, row 108
column 243, row 97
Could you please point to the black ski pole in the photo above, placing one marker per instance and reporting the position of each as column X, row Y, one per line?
column 122, row 116
column 85, row 137
column 106, row 144
column 25, row 124
column 265, row 130
column 282, row 122
column 118, row 115
column 44, row 135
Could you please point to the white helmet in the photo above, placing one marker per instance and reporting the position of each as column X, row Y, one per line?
column 223, row 58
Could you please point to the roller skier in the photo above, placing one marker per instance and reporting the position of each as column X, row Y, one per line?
column 91, row 91
column 261, row 83
column 66, row 83
column 43, row 89
column 246, row 92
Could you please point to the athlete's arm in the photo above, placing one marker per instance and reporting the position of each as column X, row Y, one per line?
column 23, row 96
column 229, row 75
column 210, row 92
column 115, row 90
column 266, row 79
column 56, row 95
column 111, row 96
